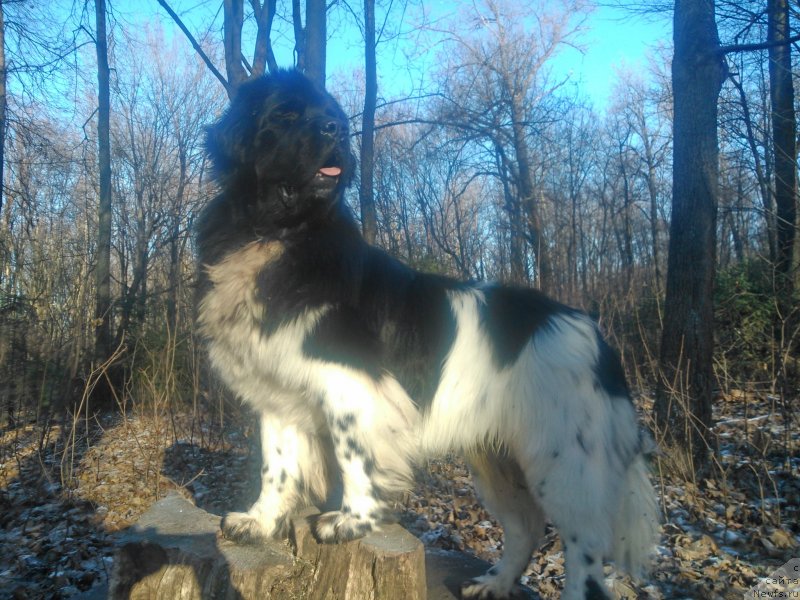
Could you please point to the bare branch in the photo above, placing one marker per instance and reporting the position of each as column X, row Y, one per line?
column 196, row 46
column 758, row 45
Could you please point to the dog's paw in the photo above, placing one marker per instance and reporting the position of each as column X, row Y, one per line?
column 486, row 587
column 335, row 527
column 245, row 528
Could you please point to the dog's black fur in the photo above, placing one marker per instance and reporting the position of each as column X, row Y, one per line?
column 329, row 339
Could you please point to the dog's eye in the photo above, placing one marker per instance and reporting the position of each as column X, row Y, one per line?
column 287, row 116
column 288, row 112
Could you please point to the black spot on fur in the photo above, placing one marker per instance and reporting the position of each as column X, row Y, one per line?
column 345, row 422
column 362, row 528
column 414, row 320
column 354, row 447
column 609, row 375
column 513, row 316
column 283, row 476
column 594, row 591
column 341, row 337
column 588, row 559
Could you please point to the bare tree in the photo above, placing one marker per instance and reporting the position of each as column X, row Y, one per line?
column 238, row 69
column 310, row 40
column 164, row 102
column 3, row 79
column 496, row 83
column 366, row 192
column 698, row 71
column 315, row 41
column 784, row 135
column 103, row 273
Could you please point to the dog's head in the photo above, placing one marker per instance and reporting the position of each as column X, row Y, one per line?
column 284, row 144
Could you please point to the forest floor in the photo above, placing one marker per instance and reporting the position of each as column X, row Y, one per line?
column 65, row 491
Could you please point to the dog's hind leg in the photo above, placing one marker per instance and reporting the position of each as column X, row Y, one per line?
column 503, row 490
column 372, row 424
column 577, row 493
column 293, row 474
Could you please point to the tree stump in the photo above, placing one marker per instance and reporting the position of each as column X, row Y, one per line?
column 175, row 551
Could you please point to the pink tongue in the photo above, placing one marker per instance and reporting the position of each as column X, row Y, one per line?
column 331, row 171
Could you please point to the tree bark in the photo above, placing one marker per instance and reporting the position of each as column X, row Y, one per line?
column 683, row 397
column 784, row 135
column 233, row 20
column 263, row 56
column 3, row 77
column 527, row 196
column 103, row 271
column 315, row 40
column 784, row 138
column 174, row 551
column 366, row 191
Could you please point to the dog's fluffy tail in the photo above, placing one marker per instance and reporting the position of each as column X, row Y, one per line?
column 636, row 523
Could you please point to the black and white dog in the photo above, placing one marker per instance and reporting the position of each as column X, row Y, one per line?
column 359, row 365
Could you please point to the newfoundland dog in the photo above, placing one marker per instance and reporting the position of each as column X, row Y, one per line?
column 359, row 366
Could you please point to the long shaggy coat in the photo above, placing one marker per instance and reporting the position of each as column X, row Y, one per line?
column 358, row 365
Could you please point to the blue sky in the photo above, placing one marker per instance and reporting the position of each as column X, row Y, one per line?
column 612, row 38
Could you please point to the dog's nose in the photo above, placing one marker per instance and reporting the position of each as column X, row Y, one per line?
column 331, row 128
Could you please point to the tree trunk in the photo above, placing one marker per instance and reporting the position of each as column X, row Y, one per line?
column 174, row 278
column 175, row 551
column 762, row 176
column 626, row 248
column 366, row 192
column 518, row 272
column 263, row 56
column 528, row 200
column 233, row 11
column 652, row 192
column 784, row 138
column 683, row 397
column 103, row 271
column 2, row 104
column 784, row 135
column 315, row 40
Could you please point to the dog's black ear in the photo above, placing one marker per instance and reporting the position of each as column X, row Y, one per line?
column 229, row 139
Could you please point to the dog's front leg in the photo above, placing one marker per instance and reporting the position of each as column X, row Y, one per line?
column 293, row 474
column 372, row 424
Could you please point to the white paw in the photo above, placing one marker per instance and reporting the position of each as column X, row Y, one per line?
column 335, row 527
column 248, row 528
column 487, row 587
